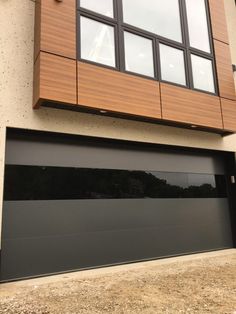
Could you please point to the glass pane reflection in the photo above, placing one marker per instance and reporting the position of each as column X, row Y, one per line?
column 156, row 16
column 203, row 77
column 51, row 183
column 104, row 7
column 97, row 42
column 172, row 65
column 138, row 54
column 197, row 24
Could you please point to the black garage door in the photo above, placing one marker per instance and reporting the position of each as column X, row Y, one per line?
column 76, row 205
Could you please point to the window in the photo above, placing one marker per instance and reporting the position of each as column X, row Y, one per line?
column 202, row 74
column 172, row 65
column 104, row 7
column 197, row 24
column 167, row 40
column 31, row 182
column 97, row 42
column 156, row 16
column 138, row 54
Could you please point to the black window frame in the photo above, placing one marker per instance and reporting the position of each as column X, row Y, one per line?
column 120, row 27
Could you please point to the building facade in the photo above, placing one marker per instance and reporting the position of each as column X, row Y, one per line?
column 119, row 149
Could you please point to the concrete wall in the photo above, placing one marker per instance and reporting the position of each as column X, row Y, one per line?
column 16, row 78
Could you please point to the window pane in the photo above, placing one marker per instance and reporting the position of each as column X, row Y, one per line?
column 138, row 54
column 156, row 16
column 202, row 74
column 104, row 7
column 97, row 42
column 32, row 182
column 197, row 24
column 172, row 65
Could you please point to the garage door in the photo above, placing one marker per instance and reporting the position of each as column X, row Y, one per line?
column 73, row 205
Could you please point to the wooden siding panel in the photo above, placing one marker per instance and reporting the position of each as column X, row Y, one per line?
column 58, row 27
column 224, row 70
column 229, row 114
column 218, row 20
column 37, row 29
column 106, row 89
column 187, row 106
column 56, row 77
column 36, row 84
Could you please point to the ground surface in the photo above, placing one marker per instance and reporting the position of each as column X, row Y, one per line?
column 203, row 283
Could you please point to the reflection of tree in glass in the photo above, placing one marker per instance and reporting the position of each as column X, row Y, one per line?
column 44, row 183
column 140, row 184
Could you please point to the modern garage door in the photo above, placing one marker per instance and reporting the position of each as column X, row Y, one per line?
column 73, row 205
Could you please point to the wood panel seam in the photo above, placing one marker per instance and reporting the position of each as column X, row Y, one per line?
column 221, row 41
column 57, row 55
column 161, row 100
column 222, row 117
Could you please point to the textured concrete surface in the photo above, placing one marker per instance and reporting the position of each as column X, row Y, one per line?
column 16, row 81
column 202, row 283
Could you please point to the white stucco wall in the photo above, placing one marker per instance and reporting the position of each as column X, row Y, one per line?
column 16, row 78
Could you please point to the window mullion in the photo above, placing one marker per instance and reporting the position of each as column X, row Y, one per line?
column 184, row 29
column 120, row 34
column 209, row 26
column 189, row 71
column 189, row 68
column 156, row 57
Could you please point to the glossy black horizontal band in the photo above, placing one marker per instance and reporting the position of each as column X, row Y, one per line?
column 57, row 183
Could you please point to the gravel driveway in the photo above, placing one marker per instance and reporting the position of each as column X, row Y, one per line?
column 203, row 283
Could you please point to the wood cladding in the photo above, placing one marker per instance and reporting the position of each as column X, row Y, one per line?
column 55, row 27
column 224, row 70
column 60, row 78
column 56, row 77
column 37, row 29
column 229, row 114
column 187, row 106
column 218, row 20
column 36, row 84
column 111, row 90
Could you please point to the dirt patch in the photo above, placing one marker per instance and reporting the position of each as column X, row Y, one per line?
column 205, row 285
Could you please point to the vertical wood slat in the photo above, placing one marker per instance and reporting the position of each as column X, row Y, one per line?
column 191, row 107
column 218, row 20
column 55, row 27
column 36, row 84
column 224, row 70
column 111, row 90
column 229, row 114
column 37, row 29
column 55, row 79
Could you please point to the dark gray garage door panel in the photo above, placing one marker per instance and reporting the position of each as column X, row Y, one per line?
column 43, row 237
column 110, row 157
